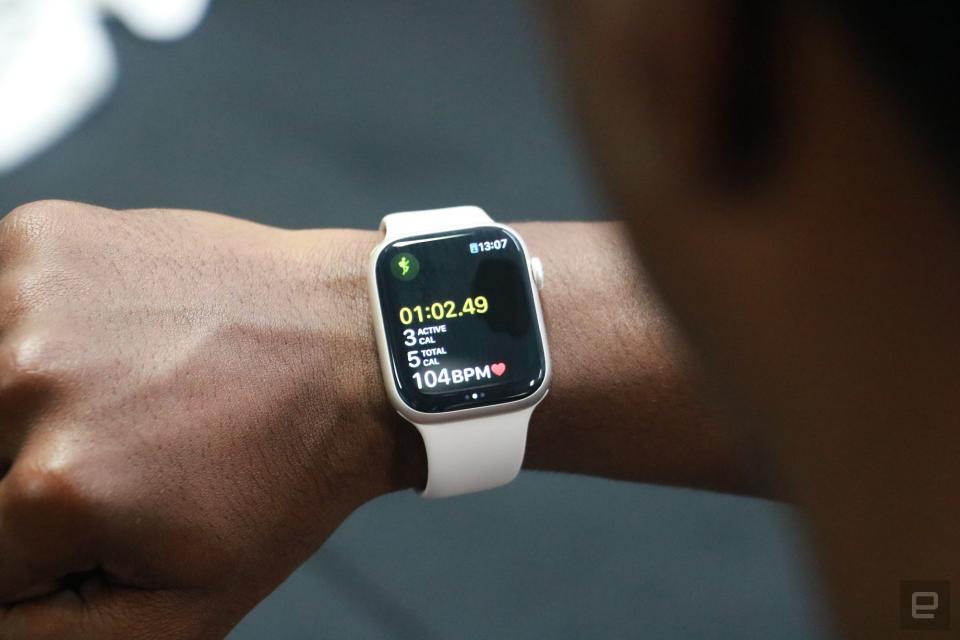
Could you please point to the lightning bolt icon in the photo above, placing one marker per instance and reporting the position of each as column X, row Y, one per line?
column 404, row 265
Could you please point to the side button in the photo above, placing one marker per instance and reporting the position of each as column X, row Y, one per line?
column 536, row 270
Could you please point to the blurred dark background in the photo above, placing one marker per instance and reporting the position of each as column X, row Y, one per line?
column 308, row 114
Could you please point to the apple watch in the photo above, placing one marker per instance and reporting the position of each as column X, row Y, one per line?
column 461, row 340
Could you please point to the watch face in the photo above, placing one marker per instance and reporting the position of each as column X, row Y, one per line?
column 460, row 319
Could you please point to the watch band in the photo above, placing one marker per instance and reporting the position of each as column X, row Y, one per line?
column 474, row 454
column 412, row 223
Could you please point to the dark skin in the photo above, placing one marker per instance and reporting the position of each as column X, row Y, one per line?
column 193, row 408
column 154, row 366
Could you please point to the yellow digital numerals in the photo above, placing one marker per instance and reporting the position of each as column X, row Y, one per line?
column 445, row 310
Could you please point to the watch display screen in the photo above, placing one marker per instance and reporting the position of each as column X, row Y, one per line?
column 460, row 319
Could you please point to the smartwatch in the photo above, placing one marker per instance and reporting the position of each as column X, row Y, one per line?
column 460, row 333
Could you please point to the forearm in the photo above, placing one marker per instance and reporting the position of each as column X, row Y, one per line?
column 624, row 399
column 191, row 411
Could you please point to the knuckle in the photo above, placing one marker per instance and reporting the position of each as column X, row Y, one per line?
column 28, row 215
column 33, row 490
column 48, row 499
column 32, row 221
column 25, row 365
column 19, row 216
column 38, row 210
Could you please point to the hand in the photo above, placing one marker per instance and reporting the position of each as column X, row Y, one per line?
column 189, row 405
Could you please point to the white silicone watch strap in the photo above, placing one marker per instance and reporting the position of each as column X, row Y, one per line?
column 474, row 455
column 412, row 223
column 463, row 456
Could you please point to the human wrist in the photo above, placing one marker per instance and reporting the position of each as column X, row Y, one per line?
column 377, row 452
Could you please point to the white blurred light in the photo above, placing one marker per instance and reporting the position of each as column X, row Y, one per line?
column 158, row 19
column 57, row 63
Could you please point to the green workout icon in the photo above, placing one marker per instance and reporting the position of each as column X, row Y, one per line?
column 405, row 266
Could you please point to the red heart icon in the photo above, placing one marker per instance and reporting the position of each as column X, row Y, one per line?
column 498, row 368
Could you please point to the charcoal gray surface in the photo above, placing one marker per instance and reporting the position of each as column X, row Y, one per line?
column 306, row 114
